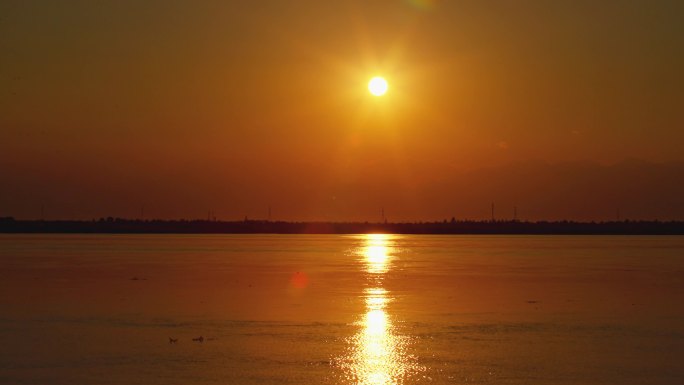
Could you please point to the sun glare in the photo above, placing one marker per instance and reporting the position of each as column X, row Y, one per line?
column 377, row 86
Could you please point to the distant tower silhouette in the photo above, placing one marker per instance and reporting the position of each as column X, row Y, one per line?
column 142, row 212
column 42, row 212
column 269, row 212
column 382, row 214
column 492, row 211
column 515, row 213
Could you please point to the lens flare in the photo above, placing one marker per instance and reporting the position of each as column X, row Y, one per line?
column 424, row 5
column 299, row 280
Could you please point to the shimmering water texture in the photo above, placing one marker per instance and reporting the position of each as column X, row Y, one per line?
column 340, row 309
column 379, row 352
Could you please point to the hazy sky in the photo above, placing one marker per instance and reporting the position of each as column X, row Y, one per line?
column 189, row 106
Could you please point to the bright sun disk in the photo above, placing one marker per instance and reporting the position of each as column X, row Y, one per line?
column 377, row 86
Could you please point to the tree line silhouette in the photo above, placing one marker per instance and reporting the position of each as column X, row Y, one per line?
column 182, row 226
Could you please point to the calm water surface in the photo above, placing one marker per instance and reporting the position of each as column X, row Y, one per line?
column 335, row 309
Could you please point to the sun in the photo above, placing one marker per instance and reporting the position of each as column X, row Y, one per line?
column 377, row 86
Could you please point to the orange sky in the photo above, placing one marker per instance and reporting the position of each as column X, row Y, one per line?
column 183, row 108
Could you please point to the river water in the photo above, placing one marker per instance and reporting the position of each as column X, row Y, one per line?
column 341, row 309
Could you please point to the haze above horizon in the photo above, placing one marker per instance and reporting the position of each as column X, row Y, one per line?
column 182, row 108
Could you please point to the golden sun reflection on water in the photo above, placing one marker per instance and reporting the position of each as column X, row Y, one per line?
column 376, row 253
column 378, row 354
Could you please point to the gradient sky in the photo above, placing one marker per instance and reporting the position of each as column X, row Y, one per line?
column 184, row 107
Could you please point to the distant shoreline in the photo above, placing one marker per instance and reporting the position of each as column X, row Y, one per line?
column 10, row 225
